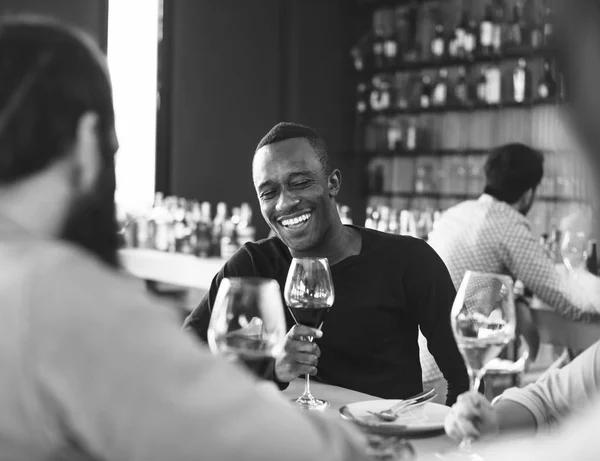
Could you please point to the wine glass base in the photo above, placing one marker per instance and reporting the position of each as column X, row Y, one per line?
column 459, row 454
column 310, row 403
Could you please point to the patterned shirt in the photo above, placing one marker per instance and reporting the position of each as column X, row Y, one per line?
column 488, row 235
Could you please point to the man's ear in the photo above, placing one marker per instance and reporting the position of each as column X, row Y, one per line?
column 86, row 150
column 334, row 183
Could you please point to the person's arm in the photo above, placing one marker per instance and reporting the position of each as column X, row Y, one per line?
column 431, row 293
column 240, row 265
column 119, row 380
column 526, row 260
column 560, row 392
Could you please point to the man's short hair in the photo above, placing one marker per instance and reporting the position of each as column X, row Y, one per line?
column 511, row 170
column 50, row 77
column 286, row 130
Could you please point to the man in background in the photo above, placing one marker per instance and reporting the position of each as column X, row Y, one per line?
column 386, row 286
column 90, row 366
column 492, row 234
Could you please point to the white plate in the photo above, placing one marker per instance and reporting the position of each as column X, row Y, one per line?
column 425, row 418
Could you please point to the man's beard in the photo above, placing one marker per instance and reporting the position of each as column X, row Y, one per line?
column 92, row 223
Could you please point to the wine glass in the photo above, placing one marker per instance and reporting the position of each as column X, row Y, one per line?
column 247, row 323
column 573, row 249
column 309, row 295
column 483, row 322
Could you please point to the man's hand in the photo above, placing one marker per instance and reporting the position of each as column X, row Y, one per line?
column 300, row 357
column 471, row 416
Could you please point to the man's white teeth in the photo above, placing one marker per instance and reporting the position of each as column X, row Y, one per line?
column 296, row 220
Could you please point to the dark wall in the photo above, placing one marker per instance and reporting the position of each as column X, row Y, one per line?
column 90, row 15
column 239, row 67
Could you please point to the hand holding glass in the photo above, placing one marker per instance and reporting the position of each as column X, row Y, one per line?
column 248, row 322
column 483, row 322
column 309, row 294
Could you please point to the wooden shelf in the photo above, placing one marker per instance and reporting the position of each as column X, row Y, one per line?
column 478, row 107
column 421, row 151
column 449, row 62
column 462, row 197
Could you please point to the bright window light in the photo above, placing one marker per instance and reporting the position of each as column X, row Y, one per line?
column 132, row 59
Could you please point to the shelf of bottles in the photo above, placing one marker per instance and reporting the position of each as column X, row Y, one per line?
column 439, row 83
column 179, row 225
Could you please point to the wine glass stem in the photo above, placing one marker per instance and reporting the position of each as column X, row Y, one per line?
column 307, row 393
column 475, row 377
column 307, row 386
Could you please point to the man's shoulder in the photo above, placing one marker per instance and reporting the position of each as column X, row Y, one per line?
column 394, row 243
column 63, row 265
column 263, row 257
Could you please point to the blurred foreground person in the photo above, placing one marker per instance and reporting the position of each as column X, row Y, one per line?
column 90, row 367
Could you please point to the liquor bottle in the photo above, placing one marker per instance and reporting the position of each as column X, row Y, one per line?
column 345, row 215
column 547, row 87
column 385, row 96
column 384, row 219
column 470, row 43
column 179, row 225
column 481, row 86
column 426, row 91
column 461, row 87
column 517, row 27
column 361, row 98
column 375, row 95
column 160, row 223
column 498, row 27
column 390, row 49
column 378, row 40
column 394, row 225
column 592, row 257
column 217, row 229
column 460, row 34
column 494, row 85
column 412, row 137
column 369, row 221
column 486, row 31
column 438, row 44
column 548, row 26
column 521, row 82
column 440, row 91
column 246, row 232
column 229, row 243
column 204, row 231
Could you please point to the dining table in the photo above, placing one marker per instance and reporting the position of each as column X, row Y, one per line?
column 426, row 446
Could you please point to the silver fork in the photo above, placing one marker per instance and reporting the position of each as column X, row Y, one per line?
column 391, row 414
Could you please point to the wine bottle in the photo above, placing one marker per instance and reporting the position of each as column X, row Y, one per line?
column 481, row 86
column 440, row 91
column 521, row 82
column 426, row 91
column 461, row 88
column 486, row 31
column 438, row 44
column 547, row 87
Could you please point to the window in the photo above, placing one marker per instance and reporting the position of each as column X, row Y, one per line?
column 133, row 34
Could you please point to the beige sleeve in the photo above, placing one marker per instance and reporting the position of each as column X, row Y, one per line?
column 119, row 379
column 561, row 391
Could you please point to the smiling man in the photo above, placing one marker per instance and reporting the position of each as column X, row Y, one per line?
column 386, row 285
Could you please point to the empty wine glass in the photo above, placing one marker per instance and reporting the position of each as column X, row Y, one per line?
column 309, row 294
column 247, row 323
column 483, row 322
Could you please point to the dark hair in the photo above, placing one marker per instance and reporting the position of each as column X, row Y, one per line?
column 50, row 77
column 511, row 170
column 286, row 130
